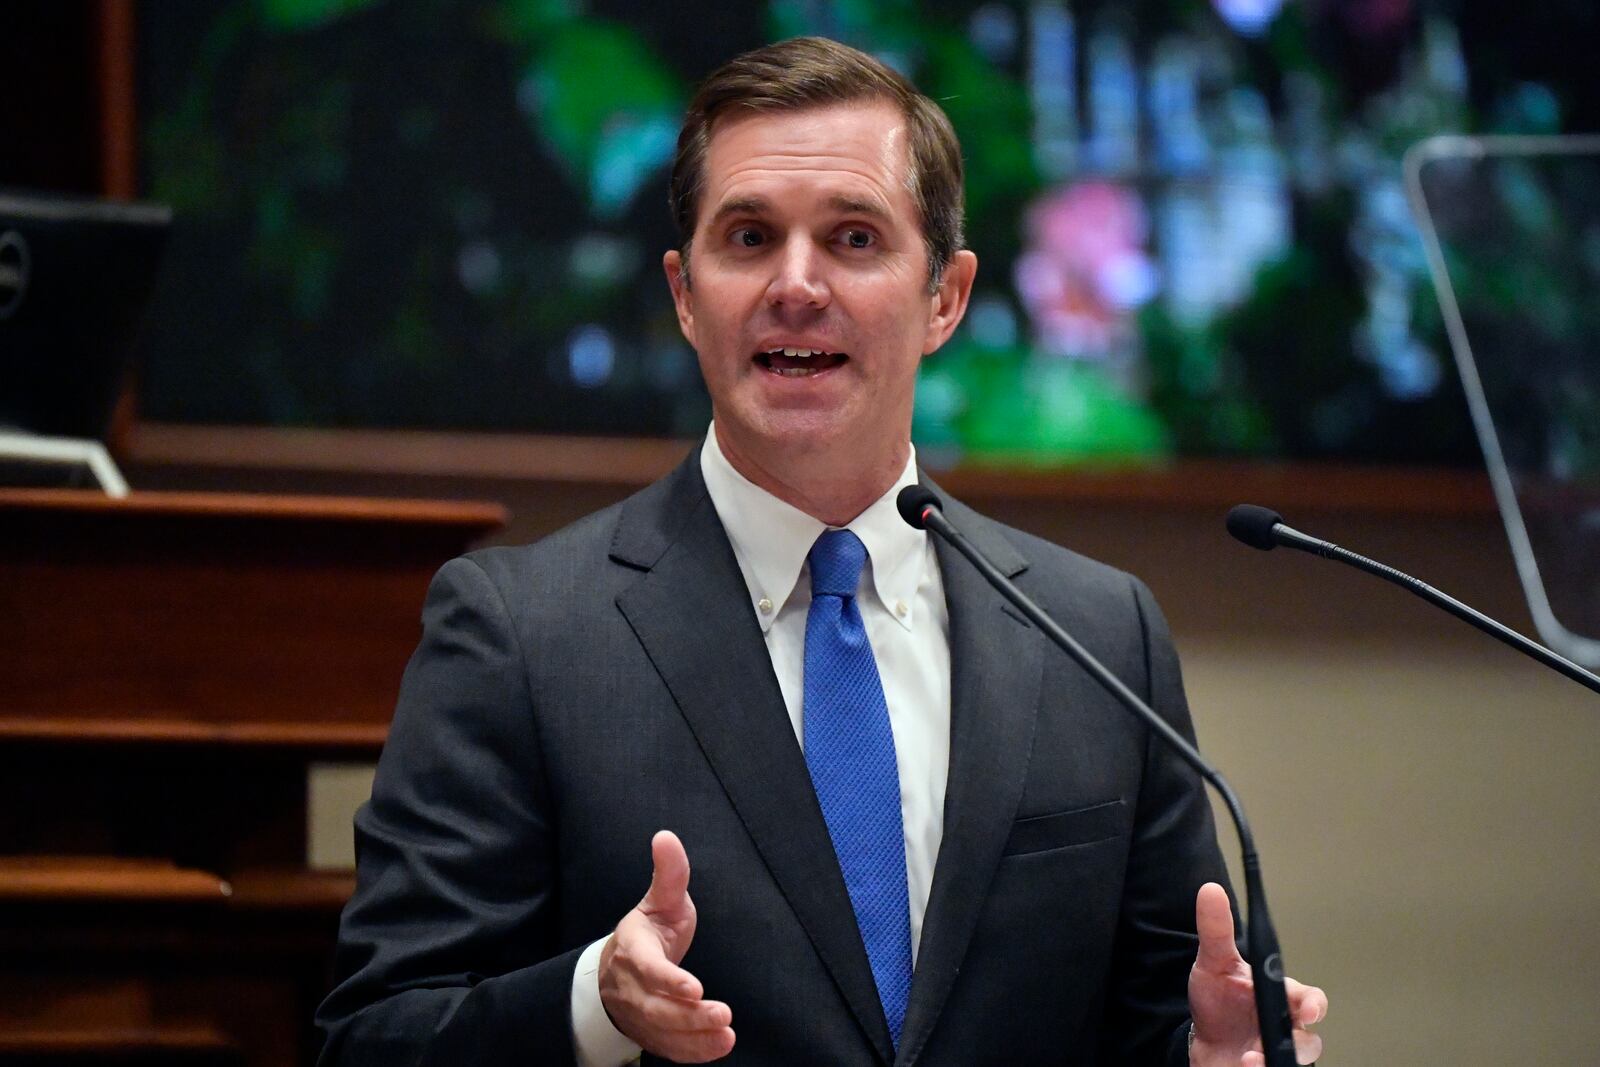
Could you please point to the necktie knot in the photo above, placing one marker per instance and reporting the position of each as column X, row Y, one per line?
column 836, row 562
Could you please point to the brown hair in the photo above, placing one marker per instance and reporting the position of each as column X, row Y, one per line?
column 807, row 72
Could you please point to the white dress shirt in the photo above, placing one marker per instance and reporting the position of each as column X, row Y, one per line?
column 908, row 624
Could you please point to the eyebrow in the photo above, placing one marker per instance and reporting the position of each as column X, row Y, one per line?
column 849, row 205
column 760, row 205
column 741, row 205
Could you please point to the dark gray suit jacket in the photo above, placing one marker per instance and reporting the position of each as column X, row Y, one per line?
column 571, row 697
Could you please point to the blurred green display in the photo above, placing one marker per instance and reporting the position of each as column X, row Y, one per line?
column 1188, row 213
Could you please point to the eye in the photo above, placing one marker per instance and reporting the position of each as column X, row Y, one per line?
column 747, row 237
column 858, row 238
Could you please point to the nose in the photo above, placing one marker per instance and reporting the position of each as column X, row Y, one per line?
column 798, row 276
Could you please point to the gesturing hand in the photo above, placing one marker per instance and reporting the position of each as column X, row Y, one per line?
column 1222, row 996
column 648, row 996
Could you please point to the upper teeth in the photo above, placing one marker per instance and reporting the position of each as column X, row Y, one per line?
column 797, row 353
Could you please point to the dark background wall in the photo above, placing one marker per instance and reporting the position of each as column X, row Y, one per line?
column 50, row 132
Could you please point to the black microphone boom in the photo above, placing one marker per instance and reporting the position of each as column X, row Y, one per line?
column 1265, row 529
column 920, row 507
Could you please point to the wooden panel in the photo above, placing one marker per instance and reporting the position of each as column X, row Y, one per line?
column 1220, row 484
column 122, row 880
column 463, row 520
column 207, row 642
column 206, row 1016
column 211, row 809
column 291, row 889
column 98, row 1018
column 363, row 738
column 118, row 1043
column 635, row 462
column 106, row 878
column 214, row 617
column 118, row 130
column 171, row 662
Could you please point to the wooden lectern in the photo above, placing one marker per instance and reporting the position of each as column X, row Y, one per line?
column 170, row 664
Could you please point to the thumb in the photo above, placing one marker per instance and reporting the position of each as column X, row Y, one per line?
column 1213, row 920
column 668, row 896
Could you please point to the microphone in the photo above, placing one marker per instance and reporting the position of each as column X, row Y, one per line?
column 1265, row 529
column 1256, row 526
column 920, row 507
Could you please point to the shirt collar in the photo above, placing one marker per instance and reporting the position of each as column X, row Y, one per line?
column 771, row 538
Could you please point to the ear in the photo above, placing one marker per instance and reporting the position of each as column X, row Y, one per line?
column 678, row 282
column 949, row 302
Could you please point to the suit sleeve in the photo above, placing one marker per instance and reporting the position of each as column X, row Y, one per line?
column 448, row 950
column 1174, row 851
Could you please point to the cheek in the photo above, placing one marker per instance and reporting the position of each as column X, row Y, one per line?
column 888, row 305
column 722, row 319
column 906, row 375
column 718, row 361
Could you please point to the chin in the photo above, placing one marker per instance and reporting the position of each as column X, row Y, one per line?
column 798, row 433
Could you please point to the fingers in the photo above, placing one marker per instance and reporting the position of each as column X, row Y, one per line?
column 1307, row 1046
column 1307, row 1004
column 1213, row 920
column 648, row 996
column 1307, row 1050
column 666, row 903
column 670, row 1015
column 685, row 1031
column 697, row 1047
column 669, row 884
column 657, row 1003
column 637, row 949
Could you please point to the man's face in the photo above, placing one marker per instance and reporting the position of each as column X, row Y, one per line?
column 808, row 241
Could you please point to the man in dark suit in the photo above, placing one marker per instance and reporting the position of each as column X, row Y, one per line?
column 919, row 835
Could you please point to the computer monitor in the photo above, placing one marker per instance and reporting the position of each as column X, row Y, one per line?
column 75, row 276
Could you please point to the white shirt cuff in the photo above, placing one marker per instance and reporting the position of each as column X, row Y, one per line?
column 596, row 1041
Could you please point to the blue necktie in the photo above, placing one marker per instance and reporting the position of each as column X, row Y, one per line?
column 849, row 749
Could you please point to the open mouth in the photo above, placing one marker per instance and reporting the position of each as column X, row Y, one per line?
column 799, row 362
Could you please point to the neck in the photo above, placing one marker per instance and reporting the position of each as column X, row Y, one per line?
column 831, row 492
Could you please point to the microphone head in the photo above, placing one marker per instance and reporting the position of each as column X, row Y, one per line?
column 914, row 502
column 1253, row 525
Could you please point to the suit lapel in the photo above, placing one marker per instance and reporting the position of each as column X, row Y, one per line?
column 690, row 613
column 996, row 661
